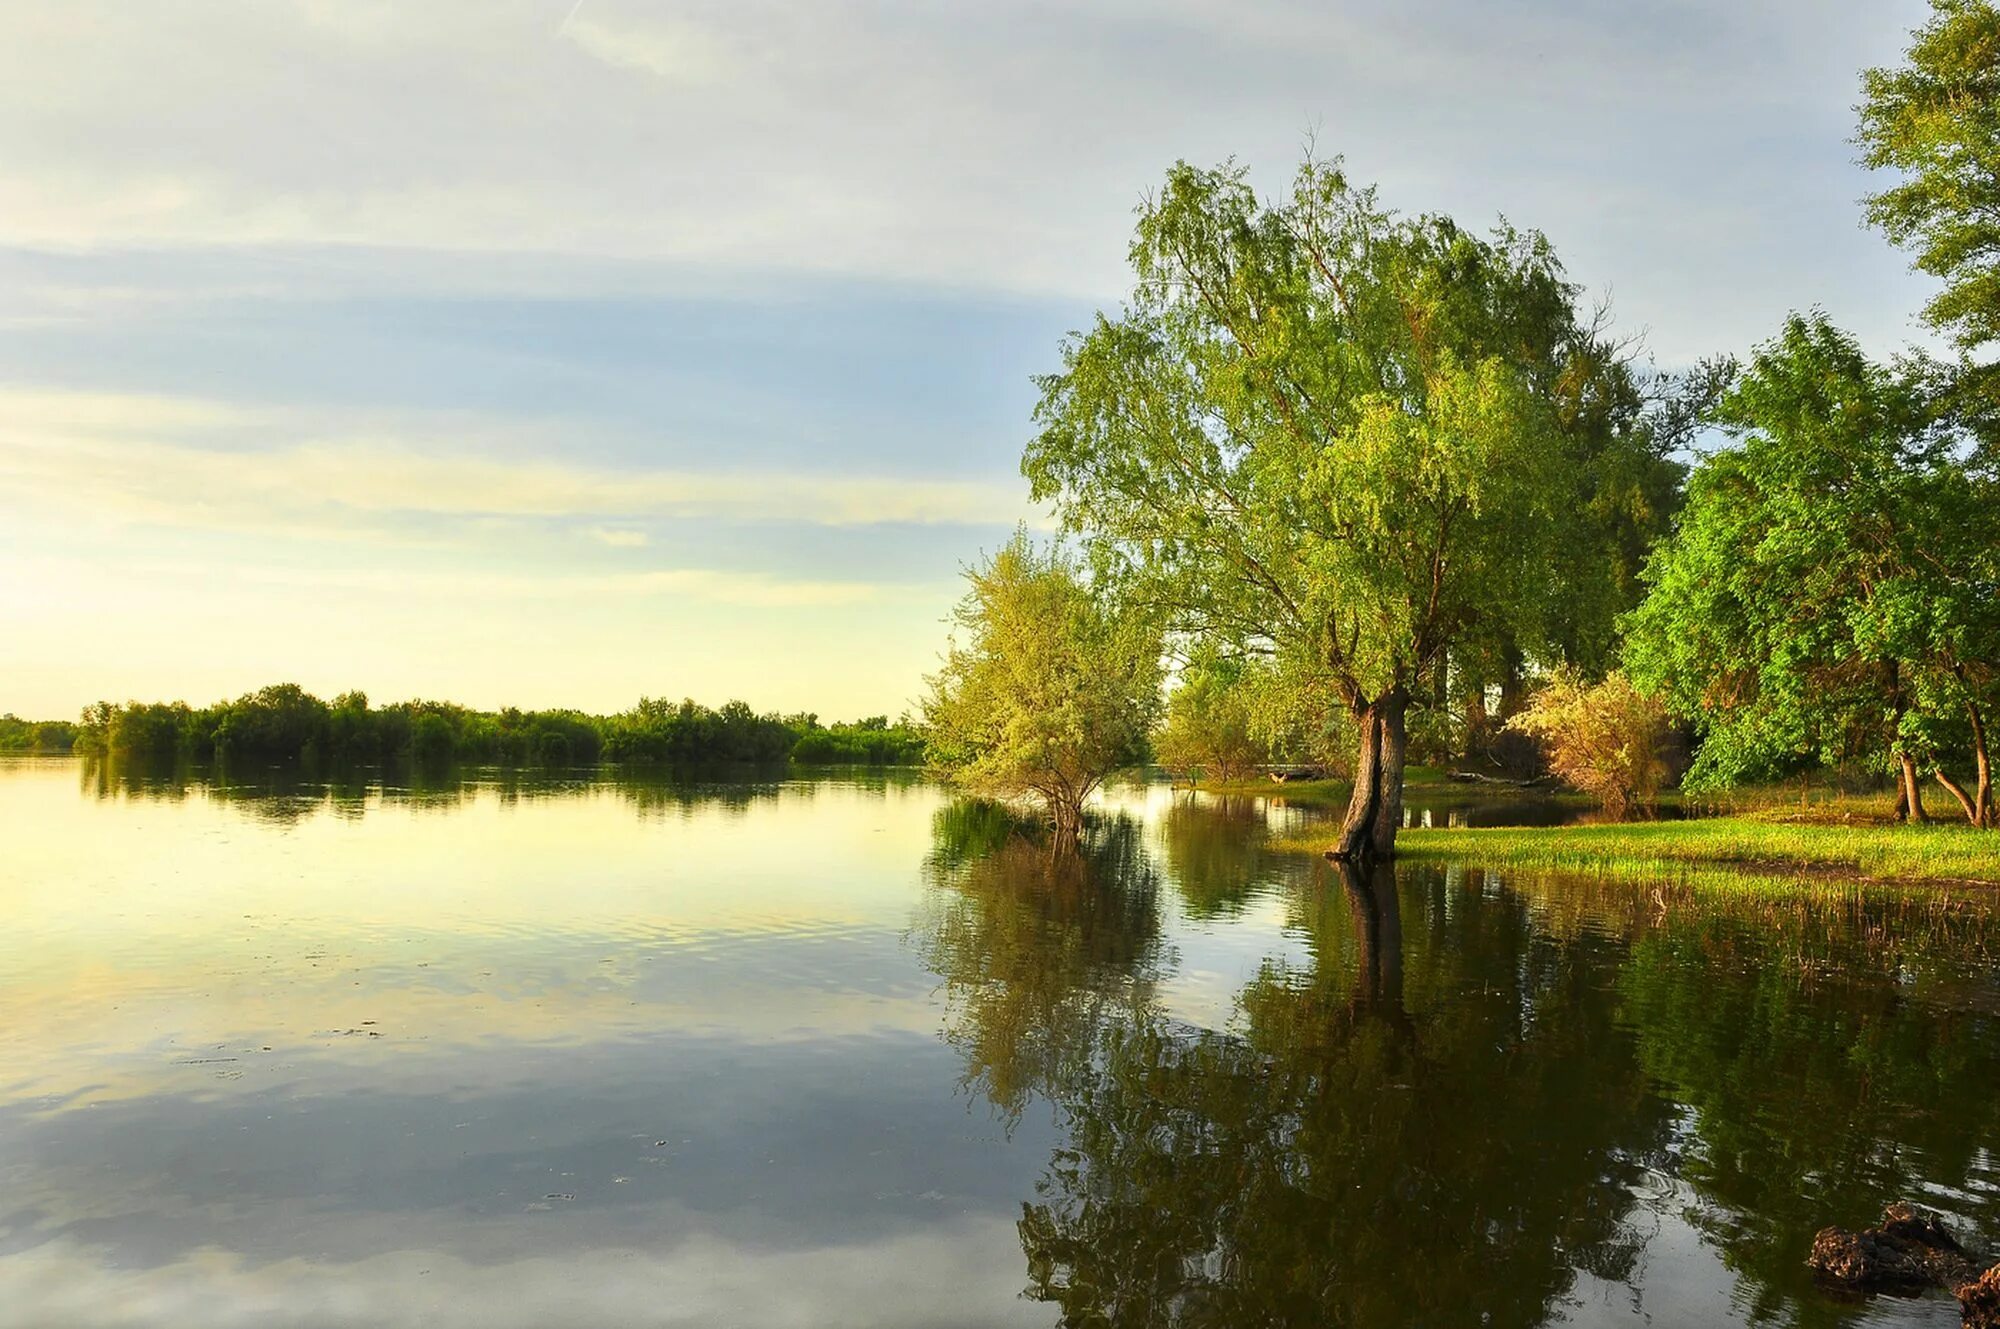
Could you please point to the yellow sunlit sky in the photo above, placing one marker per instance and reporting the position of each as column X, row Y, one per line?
column 556, row 352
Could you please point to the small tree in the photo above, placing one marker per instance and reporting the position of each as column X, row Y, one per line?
column 1604, row 738
column 1210, row 725
column 1053, row 689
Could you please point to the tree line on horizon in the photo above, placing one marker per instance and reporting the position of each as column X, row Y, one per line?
column 1367, row 478
column 285, row 723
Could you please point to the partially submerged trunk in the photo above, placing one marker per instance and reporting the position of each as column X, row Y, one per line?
column 1066, row 820
column 1375, row 810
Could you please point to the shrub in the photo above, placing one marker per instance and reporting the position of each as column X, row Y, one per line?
column 1603, row 738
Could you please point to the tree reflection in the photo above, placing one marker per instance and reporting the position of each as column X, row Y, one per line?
column 1216, row 850
column 287, row 794
column 1372, row 1149
column 1038, row 950
column 1826, row 1075
column 1436, row 1119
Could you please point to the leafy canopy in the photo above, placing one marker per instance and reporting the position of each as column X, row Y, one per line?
column 1830, row 590
column 1211, row 719
column 1348, row 438
column 1936, row 120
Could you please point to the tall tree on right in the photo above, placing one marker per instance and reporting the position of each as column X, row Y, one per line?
column 1935, row 119
column 1833, row 589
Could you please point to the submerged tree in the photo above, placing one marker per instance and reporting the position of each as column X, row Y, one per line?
column 1378, row 448
column 1054, row 688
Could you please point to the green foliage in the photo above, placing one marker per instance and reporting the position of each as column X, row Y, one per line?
column 1935, row 120
column 870, row 742
column 284, row 723
column 18, row 735
column 1377, row 448
column 1604, row 738
column 1830, row 591
column 1353, row 435
column 1210, row 721
column 662, row 733
column 1054, row 687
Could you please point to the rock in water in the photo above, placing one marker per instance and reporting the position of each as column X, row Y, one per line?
column 1910, row 1251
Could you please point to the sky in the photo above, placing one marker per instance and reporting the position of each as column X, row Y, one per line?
column 546, row 352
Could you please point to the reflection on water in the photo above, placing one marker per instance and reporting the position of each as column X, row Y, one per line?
column 1470, row 1101
column 489, row 1051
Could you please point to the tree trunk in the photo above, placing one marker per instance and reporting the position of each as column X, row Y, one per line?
column 1375, row 810
column 1066, row 818
column 1913, row 789
column 1958, row 792
column 1984, row 800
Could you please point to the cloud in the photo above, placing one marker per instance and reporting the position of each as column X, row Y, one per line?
column 102, row 456
column 750, row 589
column 915, row 1280
column 619, row 538
column 995, row 146
column 679, row 51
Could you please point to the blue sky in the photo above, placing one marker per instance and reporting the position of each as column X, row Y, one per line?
column 555, row 353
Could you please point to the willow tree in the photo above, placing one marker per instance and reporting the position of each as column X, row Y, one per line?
column 1355, row 441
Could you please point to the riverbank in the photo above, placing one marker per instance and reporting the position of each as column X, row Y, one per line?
column 1940, row 854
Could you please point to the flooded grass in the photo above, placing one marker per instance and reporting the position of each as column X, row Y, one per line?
column 1775, row 851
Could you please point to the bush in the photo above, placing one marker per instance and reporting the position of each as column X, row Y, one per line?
column 1603, row 738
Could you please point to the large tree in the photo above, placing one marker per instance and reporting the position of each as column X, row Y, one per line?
column 1382, row 449
column 1935, row 119
column 1831, row 591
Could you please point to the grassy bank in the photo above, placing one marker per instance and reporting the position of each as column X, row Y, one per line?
column 1942, row 854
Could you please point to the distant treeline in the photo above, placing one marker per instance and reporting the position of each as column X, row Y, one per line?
column 284, row 722
column 18, row 735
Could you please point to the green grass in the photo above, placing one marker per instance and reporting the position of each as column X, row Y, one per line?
column 1760, row 847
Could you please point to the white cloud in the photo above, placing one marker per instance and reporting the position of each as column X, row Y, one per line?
column 1694, row 157
column 105, row 456
column 619, row 538
column 915, row 1280
column 750, row 589
column 679, row 51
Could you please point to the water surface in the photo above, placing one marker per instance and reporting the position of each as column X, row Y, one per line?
column 843, row 1052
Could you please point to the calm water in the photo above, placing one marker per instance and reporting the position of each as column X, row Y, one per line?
column 839, row 1053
